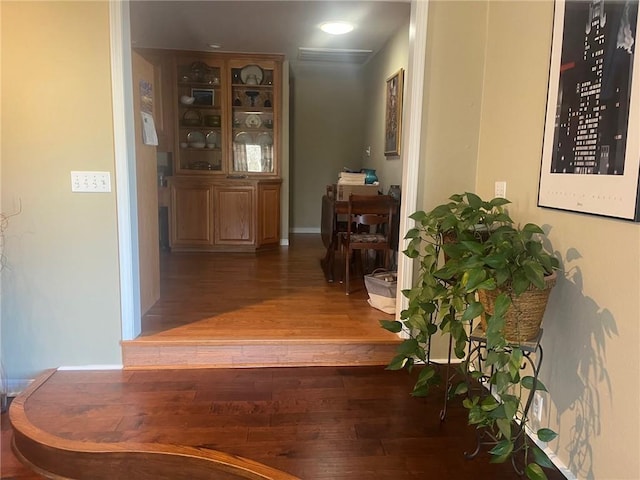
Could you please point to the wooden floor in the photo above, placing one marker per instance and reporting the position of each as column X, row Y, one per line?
column 160, row 418
column 270, row 309
column 316, row 423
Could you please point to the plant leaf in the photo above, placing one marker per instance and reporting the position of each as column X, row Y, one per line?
column 397, row 363
column 503, row 380
column 420, row 391
column 503, row 302
column 407, row 347
column 535, row 472
column 502, row 449
column 532, row 228
column 510, row 404
column 391, row 325
column 546, row 434
column 541, row 458
column 461, row 388
column 527, row 382
column 425, row 375
column 418, row 216
column 473, row 310
column 499, row 201
column 476, row 415
column 504, row 425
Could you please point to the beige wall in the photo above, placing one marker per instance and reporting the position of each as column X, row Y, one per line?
column 393, row 57
column 337, row 112
column 454, row 70
column 60, row 297
column 592, row 335
column 591, row 328
column 327, row 126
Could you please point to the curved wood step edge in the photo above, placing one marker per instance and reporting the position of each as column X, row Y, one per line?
column 59, row 458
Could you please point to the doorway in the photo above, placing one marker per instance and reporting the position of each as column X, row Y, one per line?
column 130, row 311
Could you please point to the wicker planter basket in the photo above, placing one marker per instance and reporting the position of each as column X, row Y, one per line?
column 524, row 317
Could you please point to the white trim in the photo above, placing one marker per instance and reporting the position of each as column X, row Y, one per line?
column 122, row 98
column 553, row 458
column 284, row 242
column 15, row 386
column 411, row 141
column 73, row 368
column 305, row 230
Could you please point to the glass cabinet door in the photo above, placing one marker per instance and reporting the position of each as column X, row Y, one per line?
column 199, row 98
column 254, row 120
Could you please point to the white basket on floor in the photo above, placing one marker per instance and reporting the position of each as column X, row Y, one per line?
column 381, row 286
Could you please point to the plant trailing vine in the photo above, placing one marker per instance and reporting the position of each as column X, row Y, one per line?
column 462, row 247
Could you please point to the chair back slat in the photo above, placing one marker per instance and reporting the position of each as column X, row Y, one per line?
column 370, row 210
column 369, row 225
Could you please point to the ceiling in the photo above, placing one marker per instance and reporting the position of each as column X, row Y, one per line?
column 266, row 26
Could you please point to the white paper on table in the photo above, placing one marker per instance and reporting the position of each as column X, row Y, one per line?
column 149, row 135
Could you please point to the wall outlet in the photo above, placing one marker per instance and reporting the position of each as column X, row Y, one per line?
column 500, row 190
column 537, row 406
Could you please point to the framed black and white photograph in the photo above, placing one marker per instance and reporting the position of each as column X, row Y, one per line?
column 393, row 114
column 203, row 96
column 591, row 151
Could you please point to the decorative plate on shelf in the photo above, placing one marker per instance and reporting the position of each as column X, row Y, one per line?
column 253, row 121
column 196, row 139
column 251, row 75
column 192, row 118
column 212, row 139
column 243, row 138
column 264, row 139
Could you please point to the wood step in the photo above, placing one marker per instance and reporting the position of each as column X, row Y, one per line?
column 149, row 353
column 274, row 309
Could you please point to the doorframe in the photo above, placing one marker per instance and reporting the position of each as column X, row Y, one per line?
column 124, row 150
column 411, row 141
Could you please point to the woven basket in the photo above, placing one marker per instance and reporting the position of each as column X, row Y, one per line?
column 524, row 317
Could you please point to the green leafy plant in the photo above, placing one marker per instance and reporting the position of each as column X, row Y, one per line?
column 465, row 246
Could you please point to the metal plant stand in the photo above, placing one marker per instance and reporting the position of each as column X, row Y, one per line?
column 532, row 356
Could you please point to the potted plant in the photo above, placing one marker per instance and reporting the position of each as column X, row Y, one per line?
column 475, row 262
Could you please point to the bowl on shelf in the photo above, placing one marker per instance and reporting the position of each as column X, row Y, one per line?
column 187, row 100
column 197, row 145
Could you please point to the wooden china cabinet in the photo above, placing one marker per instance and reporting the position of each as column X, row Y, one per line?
column 225, row 190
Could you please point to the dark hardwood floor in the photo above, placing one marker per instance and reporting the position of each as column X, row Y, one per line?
column 313, row 422
column 322, row 423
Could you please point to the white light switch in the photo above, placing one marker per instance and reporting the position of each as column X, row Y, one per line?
column 501, row 190
column 91, row 182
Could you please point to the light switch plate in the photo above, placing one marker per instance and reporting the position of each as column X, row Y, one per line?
column 90, row 182
column 501, row 190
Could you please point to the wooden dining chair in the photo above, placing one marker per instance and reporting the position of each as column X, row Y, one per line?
column 369, row 222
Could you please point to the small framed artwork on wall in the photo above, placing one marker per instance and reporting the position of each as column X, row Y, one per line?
column 393, row 114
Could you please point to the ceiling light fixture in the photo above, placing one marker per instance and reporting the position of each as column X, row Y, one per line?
column 336, row 28
column 215, row 45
